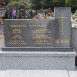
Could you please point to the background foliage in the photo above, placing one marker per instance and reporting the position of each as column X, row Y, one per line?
column 37, row 4
column 43, row 4
column 17, row 3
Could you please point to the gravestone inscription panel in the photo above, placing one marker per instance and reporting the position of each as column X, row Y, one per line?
column 63, row 26
column 29, row 33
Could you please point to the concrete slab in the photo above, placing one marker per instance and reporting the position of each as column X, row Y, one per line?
column 72, row 73
column 34, row 73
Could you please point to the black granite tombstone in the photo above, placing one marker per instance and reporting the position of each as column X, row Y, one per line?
column 39, row 35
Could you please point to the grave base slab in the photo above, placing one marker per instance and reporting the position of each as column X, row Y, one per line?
column 37, row 60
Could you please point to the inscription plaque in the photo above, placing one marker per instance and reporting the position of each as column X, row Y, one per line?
column 29, row 33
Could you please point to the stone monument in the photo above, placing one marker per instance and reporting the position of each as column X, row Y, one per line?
column 39, row 44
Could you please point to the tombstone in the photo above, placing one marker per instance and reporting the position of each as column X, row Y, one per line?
column 45, row 43
column 59, row 35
